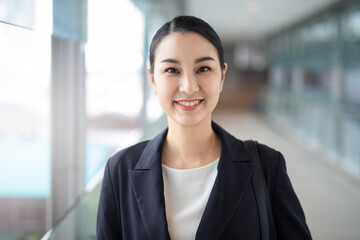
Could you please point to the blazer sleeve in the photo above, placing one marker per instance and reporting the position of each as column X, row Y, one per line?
column 288, row 214
column 289, row 217
column 108, row 219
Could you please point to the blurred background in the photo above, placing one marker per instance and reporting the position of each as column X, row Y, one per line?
column 74, row 89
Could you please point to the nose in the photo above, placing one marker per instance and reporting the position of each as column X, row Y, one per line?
column 189, row 84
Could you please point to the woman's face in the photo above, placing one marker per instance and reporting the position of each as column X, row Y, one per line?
column 187, row 77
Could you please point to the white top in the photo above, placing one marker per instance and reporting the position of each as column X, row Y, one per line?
column 186, row 193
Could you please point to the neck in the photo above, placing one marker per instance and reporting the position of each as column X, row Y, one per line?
column 190, row 146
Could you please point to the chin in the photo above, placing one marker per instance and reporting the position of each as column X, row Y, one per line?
column 189, row 120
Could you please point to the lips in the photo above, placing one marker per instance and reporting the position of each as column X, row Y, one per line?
column 189, row 105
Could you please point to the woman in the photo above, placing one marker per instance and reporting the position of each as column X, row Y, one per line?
column 193, row 180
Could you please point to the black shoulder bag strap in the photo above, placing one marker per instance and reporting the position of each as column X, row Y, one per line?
column 262, row 194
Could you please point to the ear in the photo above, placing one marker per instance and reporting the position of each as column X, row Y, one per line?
column 151, row 76
column 223, row 73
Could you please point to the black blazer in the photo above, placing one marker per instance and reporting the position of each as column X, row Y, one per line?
column 132, row 204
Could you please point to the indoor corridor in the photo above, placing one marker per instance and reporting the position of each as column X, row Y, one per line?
column 74, row 89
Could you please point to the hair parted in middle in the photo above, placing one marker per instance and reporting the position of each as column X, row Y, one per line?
column 186, row 24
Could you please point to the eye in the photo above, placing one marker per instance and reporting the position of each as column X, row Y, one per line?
column 171, row 70
column 203, row 69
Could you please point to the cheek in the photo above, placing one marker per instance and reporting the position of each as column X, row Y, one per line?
column 164, row 88
column 211, row 87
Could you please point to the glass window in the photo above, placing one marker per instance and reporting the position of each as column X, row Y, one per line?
column 352, row 85
column 114, row 65
column 33, row 14
column 317, row 79
column 352, row 58
column 354, row 25
column 25, row 113
column 352, row 40
column 320, row 44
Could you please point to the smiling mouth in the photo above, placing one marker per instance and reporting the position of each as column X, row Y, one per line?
column 189, row 103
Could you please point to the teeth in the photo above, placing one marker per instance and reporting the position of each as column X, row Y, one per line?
column 189, row 104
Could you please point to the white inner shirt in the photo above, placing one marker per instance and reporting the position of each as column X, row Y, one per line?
column 186, row 193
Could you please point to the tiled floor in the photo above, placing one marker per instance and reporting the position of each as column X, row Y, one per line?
column 329, row 196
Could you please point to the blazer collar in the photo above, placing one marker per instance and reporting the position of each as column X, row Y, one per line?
column 148, row 186
column 234, row 176
column 234, row 173
column 152, row 152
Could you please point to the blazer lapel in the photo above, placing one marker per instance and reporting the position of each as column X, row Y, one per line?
column 148, row 188
column 234, row 176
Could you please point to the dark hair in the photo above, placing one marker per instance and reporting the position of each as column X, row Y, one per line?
column 186, row 24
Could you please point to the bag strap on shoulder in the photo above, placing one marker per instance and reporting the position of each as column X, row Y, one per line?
column 262, row 194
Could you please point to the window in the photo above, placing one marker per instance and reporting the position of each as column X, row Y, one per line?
column 114, row 58
column 352, row 57
column 25, row 113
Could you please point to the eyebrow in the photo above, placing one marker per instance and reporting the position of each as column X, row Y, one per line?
column 169, row 60
column 202, row 59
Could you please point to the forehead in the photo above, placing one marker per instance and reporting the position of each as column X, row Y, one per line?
column 185, row 45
